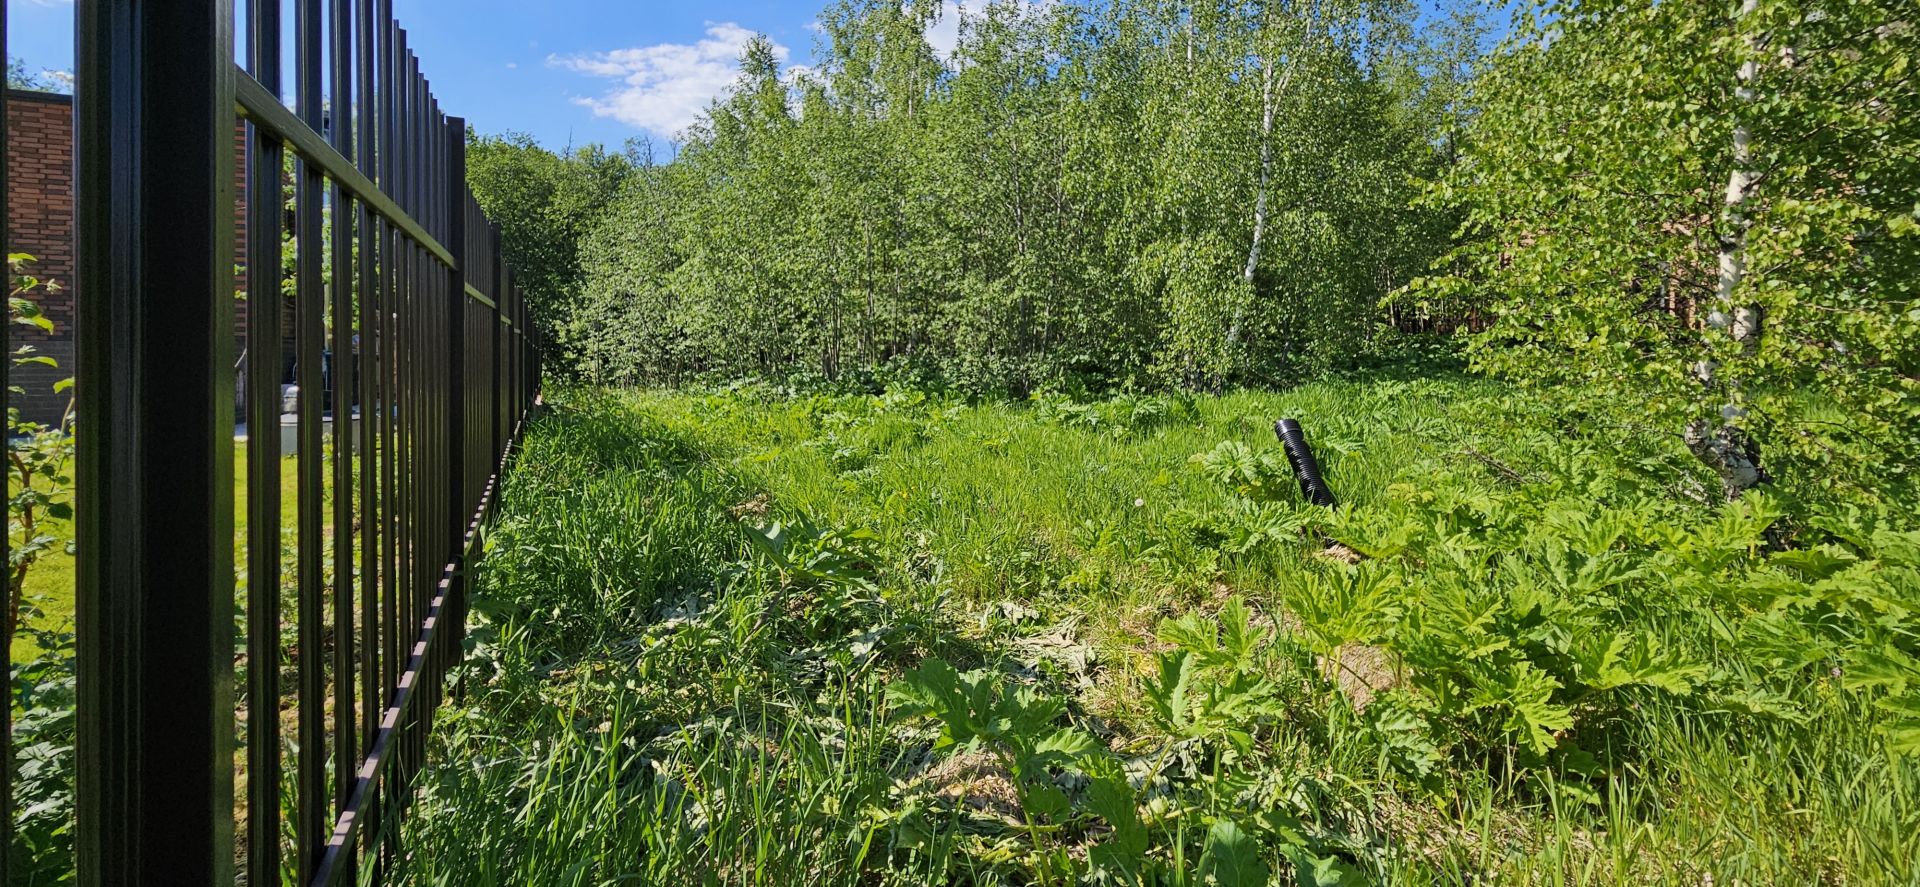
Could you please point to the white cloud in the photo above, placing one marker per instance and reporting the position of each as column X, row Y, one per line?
column 944, row 36
column 663, row 88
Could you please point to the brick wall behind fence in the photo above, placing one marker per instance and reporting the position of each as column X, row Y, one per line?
column 40, row 224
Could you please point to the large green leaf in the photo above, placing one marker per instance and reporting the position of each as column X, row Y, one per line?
column 1232, row 857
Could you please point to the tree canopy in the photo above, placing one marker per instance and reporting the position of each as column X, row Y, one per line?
column 1082, row 194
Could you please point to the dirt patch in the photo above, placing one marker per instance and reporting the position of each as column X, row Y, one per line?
column 754, row 508
column 1361, row 671
column 1337, row 552
column 979, row 781
column 1137, row 628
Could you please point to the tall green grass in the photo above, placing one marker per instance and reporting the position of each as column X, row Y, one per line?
column 694, row 602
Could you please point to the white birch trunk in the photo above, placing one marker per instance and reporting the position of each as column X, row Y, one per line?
column 1741, row 322
column 1719, row 441
column 1267, row 91
column 1266, row 171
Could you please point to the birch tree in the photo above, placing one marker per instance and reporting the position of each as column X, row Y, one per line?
column 1703, row 218
column 1716, row 438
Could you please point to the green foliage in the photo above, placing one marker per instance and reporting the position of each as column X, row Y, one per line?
column 1121, row 414
column 1595, row 176
column 1259, row 476
column 18, row 77
column 545, row 205
column 907, row 640
column 1236, row 697
column 41, row 687
column 1017, row 726
column 1084, row 196
column 1098, row 637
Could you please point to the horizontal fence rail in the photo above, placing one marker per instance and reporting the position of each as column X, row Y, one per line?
column 258, row 660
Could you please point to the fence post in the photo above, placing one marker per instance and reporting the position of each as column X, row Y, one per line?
column 460, row 512
column 456, row 195
column 6, row 717
column 493, row 342
column 154, row 219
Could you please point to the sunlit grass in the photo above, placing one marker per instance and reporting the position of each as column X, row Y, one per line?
column 51, row 580
column 652, row 700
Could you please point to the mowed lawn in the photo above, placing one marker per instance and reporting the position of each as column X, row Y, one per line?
column 50, row 583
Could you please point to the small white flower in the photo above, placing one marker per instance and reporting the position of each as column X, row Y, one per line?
column 1139, row 503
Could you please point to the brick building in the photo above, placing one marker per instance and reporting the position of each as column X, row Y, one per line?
column 40, row 224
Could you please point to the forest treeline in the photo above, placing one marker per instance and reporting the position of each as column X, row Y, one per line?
column 1700, row 215
column 1081, row 194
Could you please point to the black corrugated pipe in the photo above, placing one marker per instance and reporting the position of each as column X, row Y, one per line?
column 1305, row 467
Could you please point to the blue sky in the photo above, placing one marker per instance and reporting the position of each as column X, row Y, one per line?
column 565, row 71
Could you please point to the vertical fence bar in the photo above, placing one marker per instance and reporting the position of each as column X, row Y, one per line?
column 154, row 490
column 500, row 354
column 453, row 299
column 6, row 539
column 408, row 359
column 345, row 747
column 402, row 355
column 454, row 200
column 439, row 364
column 370, row 241
column 310, row 775
column 429, row 367
column 418, row 544
column 389, row 152
column 401, row 398
column 506, row 358
column 265, row 217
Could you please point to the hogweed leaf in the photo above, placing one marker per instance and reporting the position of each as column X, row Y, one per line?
column 1232, row 857
column 1527, row 693
column 1168, row 696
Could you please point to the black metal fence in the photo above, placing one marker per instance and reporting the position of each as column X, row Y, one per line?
column 195, row 733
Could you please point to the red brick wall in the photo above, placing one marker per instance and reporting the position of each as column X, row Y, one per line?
column 40, row 224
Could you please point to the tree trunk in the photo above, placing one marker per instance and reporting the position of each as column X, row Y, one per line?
column 1717, row 439
column 1267, row 90
column 1266, row 171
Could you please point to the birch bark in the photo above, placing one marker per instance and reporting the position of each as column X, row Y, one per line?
column 1718, row 440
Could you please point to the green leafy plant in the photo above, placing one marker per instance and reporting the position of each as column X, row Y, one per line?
column 1260, row 476
column 1019, row 726
column 42, row 686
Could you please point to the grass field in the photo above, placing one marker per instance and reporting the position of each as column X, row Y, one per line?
column 50, row 581
column 740, row 637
